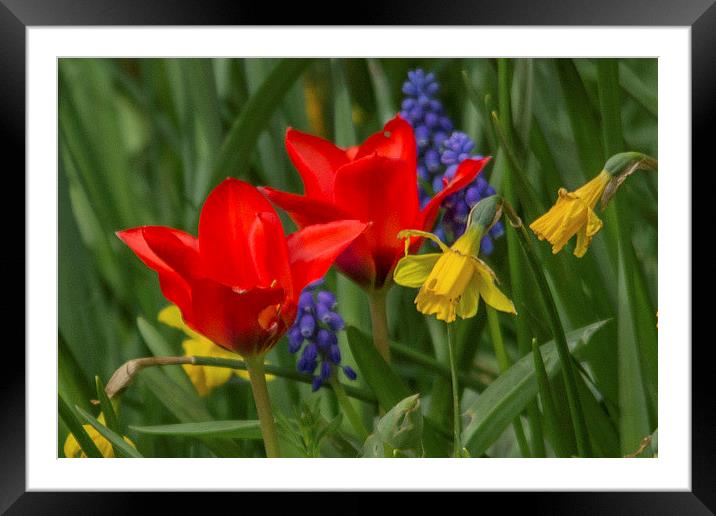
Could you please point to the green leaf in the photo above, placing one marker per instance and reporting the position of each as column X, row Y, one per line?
column 389, row 388
column 238, row 145
column 400, row 429
column 186, row 407
column 402, row 426
column 506, row 397
column 207, row 429
column 67, row 415
column 121, row 447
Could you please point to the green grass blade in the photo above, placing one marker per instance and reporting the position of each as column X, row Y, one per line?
column 343, row 130
column 506, row 397
column 238, row 145
column 110, row 416
column 384, row 102
column 633, row 404
column 68, row 416
column 608, row 84
column 186, row 407
column 504, row 362
column 556, row 437
column 121, row 447
column 207, row 429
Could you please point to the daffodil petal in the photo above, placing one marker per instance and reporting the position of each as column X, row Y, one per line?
column 413, row 270
column 171, row 316
column 470, row 300
column 492, row 295
column 407, row 233
column 73, row 450
column 587, row 232
column 206, row 378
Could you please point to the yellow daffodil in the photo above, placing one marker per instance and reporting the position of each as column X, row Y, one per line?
column 573, row 214
column 204, row 378
column 453, row 281
column 73, row 450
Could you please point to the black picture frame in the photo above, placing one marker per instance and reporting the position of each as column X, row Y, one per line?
column 17, row 15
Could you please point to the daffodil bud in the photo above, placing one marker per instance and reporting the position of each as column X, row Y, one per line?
column 485, row 213
column 619, row 167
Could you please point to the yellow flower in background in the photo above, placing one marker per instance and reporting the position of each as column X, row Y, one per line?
column 573, row 214
column 204, row 378
column 73, row 450
column 453, row 281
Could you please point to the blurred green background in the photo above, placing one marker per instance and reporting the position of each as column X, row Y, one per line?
column 142, row 141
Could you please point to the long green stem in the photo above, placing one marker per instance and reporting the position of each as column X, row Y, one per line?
column 457, row 445
column 257, row 375
column 123, row 376
column 575, row 408
column 348, row 409
column 504, row 363
column 379, row 322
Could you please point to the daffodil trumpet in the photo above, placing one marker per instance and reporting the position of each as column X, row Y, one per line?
column 453, row 281
column 573, row 213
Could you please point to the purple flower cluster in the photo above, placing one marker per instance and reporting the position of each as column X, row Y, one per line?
column 425, row 113
column 316, row 325
column 457, row 206
column 440, row 151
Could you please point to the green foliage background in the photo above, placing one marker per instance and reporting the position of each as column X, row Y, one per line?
column 142, row 141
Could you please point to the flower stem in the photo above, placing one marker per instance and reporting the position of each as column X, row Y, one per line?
column 570, row 382
column 257, row 376
column 504, row 363
column 457, row 444
column 348, row 409
column 379, row 322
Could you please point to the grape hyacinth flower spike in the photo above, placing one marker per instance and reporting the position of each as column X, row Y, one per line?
column 316, row 326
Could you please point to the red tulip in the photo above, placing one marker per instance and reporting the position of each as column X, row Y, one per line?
column 375, row 182
column 238, row 283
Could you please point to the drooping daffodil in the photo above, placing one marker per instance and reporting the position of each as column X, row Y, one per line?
column 453, row 281
column 204, row 378
column 573, row 213
column 73, row 450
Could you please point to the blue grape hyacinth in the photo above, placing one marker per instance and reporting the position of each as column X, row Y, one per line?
column 440, row 151
column 424, row 112
column 317, row 324
column 457, row 206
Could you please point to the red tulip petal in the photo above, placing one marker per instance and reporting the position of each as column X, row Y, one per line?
column 396, row 140
column 227, row 218
column 303, row 210
column 245, row 322
column 382, row 191
column 357, row 262
column 313, row 249
column 316, row 160
column 465, row 174
column 269, row 253
column 181, row 251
